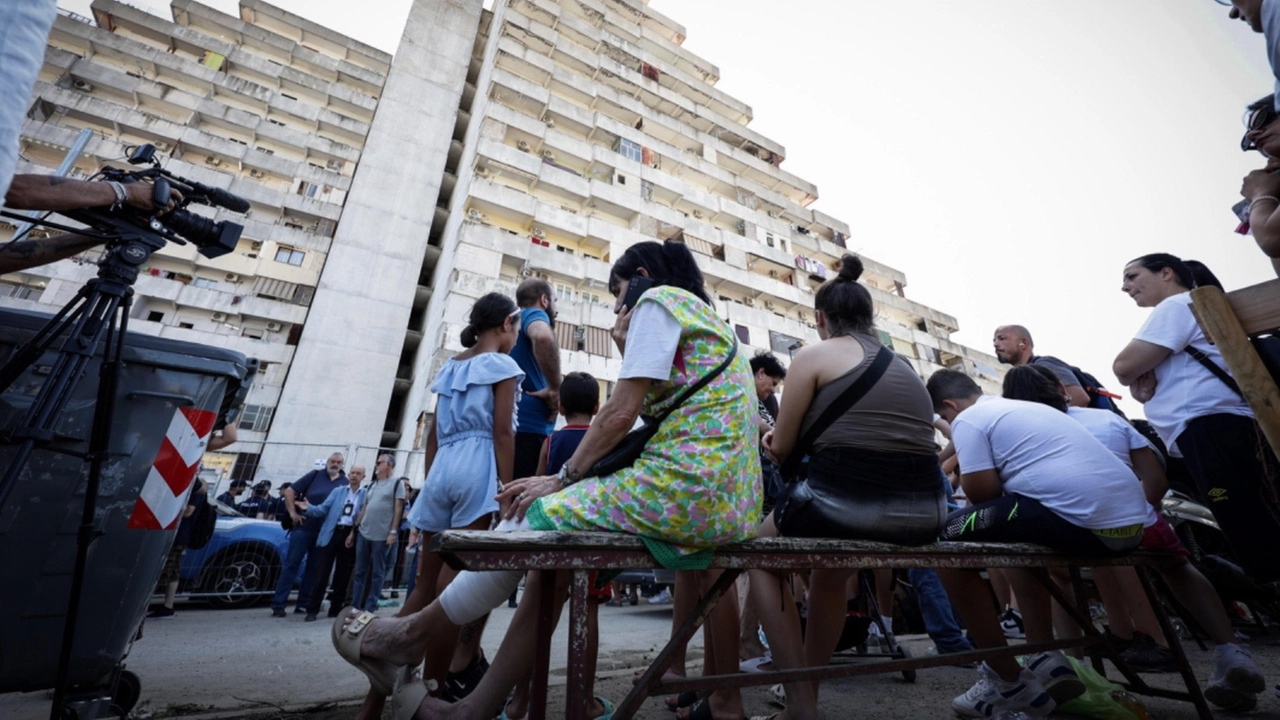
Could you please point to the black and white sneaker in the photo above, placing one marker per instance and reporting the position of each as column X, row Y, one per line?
column 1011, row 624
column 161, row 613
column 460, row 684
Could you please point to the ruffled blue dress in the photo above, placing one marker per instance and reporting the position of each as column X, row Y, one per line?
column 463, row 479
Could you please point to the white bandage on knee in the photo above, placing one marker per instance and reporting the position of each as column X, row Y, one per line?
column 471, row 595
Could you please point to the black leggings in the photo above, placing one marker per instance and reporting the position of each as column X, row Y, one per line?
column 1228, row 461
column 1020, row 519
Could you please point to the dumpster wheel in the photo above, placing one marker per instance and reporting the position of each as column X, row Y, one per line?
column 128, row 691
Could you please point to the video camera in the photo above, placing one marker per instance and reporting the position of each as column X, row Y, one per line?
column 213, row 239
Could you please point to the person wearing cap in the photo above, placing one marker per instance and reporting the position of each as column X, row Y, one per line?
column 228, row 498
column 257, row 504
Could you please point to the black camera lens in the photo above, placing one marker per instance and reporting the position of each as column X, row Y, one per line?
column 212, row 238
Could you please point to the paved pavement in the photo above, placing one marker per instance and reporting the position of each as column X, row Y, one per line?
column 241, row 663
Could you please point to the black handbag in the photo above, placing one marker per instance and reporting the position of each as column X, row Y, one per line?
column 625, row 453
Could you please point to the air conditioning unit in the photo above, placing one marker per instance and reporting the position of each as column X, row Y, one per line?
column 697, row 214
column 256, row 173
column 768, row 304
column 522, row 146
column 483, row 172
column 274, row 327
column 213, row 160
column 749, row 301
column 82, row 85
column 335, row 165
column 551, row 123
column 232, row 278
column 255, row 245
column 219, row 317
column 161, row 145
column 538, row 233
column 773, row 274
column 476, row 216
column 775, row 213
column 804, row 316
column 548, row 155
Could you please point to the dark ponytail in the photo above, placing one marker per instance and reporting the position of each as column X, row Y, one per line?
column 668, row 263
column 489, row 312
column 1034, row 383
column 844, row 303
column 1203, row 276
column 1155, row 262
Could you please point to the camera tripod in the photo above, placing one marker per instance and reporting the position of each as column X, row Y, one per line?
column 99, row 313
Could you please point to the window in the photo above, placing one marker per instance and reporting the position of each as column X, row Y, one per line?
column 205, row 283
column 14, row 290
column 186, row 325
column 268, row 151
column 628, row 149
column 744, row 334
column 285, row 94
column 155, row 316
column 564, row 292
column 256, row 417
column 276, row 122
column 885, row 338
column 289, row 256
column 564, row 249
column 245, row 466
column 252, row 332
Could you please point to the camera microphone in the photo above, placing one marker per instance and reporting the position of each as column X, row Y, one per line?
column 221, row 198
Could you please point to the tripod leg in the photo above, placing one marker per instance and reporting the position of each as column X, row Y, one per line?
column 99, row 440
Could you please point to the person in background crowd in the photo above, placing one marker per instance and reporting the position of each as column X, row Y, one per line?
column 1180, row 378
column 538, row 354
column 335, row 551
column 255, row 506
column 769, row 374
column 168, row 582
column 314, row 487
column 378, row 528
column 1013, row 346
column 237, row 489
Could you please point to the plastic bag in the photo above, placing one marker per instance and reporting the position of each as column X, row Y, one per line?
column 1102, row 699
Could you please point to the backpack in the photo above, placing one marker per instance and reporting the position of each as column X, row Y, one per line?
column 203, row 521
column 1099, row 397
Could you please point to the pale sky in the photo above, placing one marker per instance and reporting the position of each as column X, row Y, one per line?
column 1008, row 155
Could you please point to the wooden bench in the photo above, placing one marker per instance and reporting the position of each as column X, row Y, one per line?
column 582, row 552
column 1228, row 321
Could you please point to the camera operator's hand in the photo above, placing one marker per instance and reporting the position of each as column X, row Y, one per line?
column 140, row 196
column 51, row 192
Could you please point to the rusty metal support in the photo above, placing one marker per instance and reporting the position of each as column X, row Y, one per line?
column 578, row 703
column 1175, row 644
column 542, row 657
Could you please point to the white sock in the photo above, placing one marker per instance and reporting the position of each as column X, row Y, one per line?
column 473, row 594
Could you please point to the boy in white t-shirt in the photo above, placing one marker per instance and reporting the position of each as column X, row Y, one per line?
column 1034, row 475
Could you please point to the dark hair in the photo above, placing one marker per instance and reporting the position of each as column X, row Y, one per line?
column 529, row 292
column 489, row 312
column 239, row 483
column 846, row 304
column 767, row 361
column 579, row 394
column 668, row 263
column 1155, row 262
column 1203, row 276
column 950, row 385
column 1034, row 383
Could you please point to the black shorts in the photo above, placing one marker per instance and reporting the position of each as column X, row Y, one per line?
column 528, row 450
column 1020, row 519
column 858, row 494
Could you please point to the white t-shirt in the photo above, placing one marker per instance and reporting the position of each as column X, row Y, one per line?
column 1109, row 429
column 1043, row 454
column 1185, row 389
column 652, row 340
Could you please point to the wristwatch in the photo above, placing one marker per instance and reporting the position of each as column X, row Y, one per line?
column 567, row 476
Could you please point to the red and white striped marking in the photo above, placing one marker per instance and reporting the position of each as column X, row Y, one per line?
column 164, row 495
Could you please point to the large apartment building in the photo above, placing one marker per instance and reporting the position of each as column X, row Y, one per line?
column 539, row 138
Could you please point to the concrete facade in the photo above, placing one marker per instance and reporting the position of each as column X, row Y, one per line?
column 542, row 137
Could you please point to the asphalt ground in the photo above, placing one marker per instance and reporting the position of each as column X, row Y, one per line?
column 207, row 663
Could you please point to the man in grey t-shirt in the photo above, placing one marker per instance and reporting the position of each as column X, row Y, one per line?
column 1013, row 346
column 378, row 528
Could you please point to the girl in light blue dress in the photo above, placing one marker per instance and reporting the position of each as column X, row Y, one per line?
column 471, row 445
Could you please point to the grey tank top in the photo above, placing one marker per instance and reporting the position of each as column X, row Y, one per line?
column 896, row 414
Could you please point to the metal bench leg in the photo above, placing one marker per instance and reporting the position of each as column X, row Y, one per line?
column 1184, row 667
column 631, row 703
column 1092, row 636
column 542, row 658
column 578, row 702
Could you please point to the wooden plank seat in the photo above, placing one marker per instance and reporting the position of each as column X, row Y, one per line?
column 582, row 552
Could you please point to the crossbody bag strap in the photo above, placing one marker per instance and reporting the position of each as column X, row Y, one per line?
column 1213, row 367
column 838, row 408
column 689, row 391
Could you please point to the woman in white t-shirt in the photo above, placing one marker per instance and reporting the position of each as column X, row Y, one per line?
column 1199, row 416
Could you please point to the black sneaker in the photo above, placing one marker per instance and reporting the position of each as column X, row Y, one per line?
column 460, row 684
column 299, row 611
column 1146, row 655
column 311, row 617
column 161, row 613
column 278, row 612
column 1120, row 644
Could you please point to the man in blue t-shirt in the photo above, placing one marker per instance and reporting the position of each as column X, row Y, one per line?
column 315, row 486
column 538, row 354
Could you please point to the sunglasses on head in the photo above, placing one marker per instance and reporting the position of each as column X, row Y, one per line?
column 1257, row 116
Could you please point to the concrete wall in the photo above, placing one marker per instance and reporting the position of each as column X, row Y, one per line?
column 346, row 361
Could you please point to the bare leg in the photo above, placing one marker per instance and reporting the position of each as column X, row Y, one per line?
column 827, row 606
column 1196, row 592
column 1063, row 624
column 684, row 602
column 170, row 594
column 969, row 594
column 749, row 645
column 782, row 627
column 468, row 648
column 1003, row 591
column 1115, row 600
column 1037, row 618
column 1120, row 585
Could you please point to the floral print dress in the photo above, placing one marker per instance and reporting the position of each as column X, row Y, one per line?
column 696, row 485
